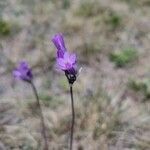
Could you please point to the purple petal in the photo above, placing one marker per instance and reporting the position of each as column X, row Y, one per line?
column 16, row 74
column 73, row 58
column 61, row 63
column 66, row 56
column 72, row 71
column 59, row 42
column 23, row 65
column 60, row 54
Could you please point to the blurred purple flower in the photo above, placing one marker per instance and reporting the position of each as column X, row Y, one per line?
column 59, row 44
column 23, row 72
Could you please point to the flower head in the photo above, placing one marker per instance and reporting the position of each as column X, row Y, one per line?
column 66, row 61
column 59, row 44
column 23, row 72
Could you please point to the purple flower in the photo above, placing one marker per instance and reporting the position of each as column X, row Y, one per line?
column 67, row 63
column 23, row 72
column 60, row 44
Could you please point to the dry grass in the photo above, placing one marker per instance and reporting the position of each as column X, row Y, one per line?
column 111, row 114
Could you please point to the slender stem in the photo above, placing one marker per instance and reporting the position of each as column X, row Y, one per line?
column 73, row 117
column 41, row 116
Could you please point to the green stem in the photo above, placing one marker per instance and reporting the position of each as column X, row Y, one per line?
column 73, row 117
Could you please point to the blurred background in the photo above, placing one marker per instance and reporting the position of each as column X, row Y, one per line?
column 112, row 92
